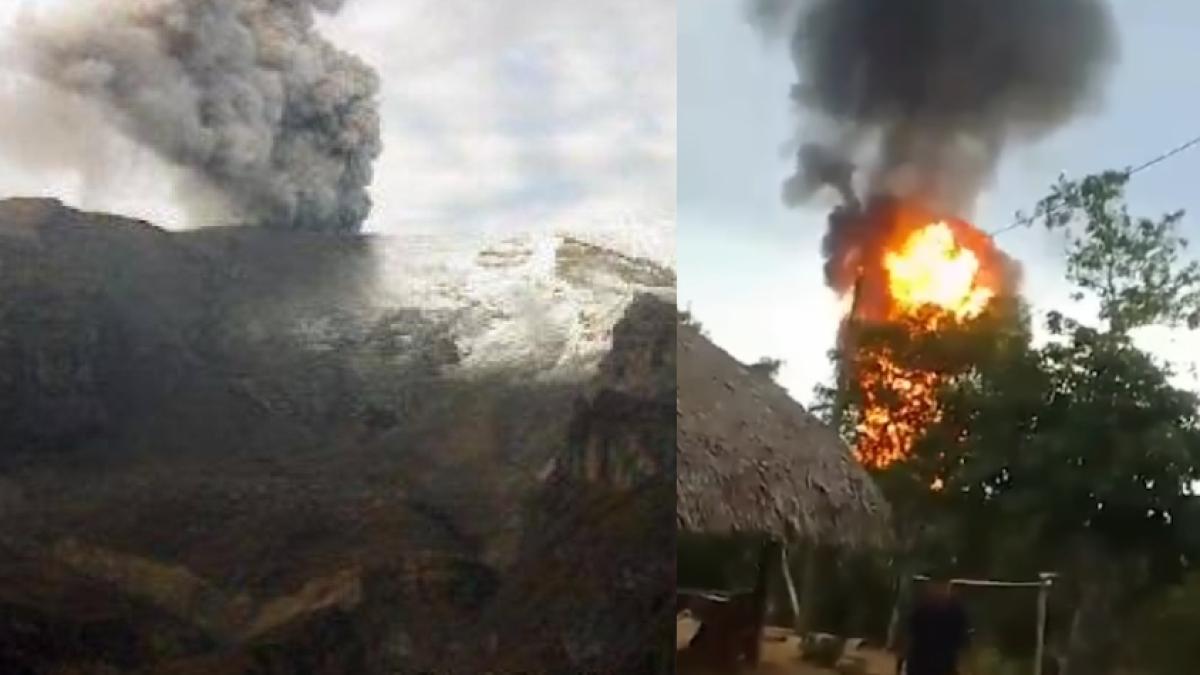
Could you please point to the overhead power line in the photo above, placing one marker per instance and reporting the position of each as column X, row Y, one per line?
column 1028, row 220
column 1165, row 156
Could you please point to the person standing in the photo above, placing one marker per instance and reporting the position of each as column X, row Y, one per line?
column 937, row 632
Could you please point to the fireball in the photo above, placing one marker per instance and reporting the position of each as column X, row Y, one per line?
column 931, row 269
column 931, row 274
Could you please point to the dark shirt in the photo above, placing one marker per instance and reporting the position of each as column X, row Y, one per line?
column 937, row 634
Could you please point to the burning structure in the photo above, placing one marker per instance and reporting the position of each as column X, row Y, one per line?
column 923, row 95
column 924, row 274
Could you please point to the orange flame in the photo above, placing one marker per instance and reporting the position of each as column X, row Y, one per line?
column 931, row 269
column 898, row 405
column 931, row 273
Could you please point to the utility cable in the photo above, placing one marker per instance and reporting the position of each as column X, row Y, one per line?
column 1028, row 220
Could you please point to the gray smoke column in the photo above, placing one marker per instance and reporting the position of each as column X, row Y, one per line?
column 243, row 92
column 925, row 94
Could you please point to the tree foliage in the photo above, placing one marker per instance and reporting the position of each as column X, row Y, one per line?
column 1060, row 455
column 1167, row 639
column 1133, row 265
column 1083, row 436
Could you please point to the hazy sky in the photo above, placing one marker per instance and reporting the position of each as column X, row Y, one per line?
column 498, row 116
column 751, row 269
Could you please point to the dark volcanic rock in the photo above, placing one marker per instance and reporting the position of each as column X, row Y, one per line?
column 219, row 454
column 618, row 436
column 596, row 580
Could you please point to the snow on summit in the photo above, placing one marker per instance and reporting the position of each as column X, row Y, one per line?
column 543, row 302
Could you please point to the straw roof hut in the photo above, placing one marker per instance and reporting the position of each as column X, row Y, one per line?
column 752, row 460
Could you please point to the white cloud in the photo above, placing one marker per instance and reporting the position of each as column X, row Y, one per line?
column 497, row 115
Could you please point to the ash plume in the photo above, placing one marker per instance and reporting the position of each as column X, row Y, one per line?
column 244, row 93
column 924, row 95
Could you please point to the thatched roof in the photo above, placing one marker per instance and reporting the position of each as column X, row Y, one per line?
column 753, row 460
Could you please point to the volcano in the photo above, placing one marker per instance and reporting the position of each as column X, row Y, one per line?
column 240, row 450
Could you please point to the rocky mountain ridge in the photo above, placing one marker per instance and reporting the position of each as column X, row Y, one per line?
column 241, row 451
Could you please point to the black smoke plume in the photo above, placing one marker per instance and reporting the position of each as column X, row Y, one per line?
column 924, row 95
column 245, row 93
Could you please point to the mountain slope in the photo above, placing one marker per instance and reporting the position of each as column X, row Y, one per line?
column 597, row 575
column 279, row 444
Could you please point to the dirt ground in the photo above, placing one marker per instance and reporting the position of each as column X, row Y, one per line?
column 782, row 657
column 781, row 654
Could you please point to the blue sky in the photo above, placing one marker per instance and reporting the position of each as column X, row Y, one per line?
column 498, row 117
column 750, row 269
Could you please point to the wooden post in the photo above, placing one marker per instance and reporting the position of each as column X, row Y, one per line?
column 1044, row 583
column 791, row 589
column 893, row 629
column 1047, row 580
column 769, row 554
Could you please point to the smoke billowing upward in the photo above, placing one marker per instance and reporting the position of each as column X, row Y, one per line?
column 925, row 94
column 245, row 93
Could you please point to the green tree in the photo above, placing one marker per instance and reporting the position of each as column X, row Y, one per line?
column 1077, row 455
column 1166, row 637
column 1132, row 441
column 1133, row 265
column 1083, row 453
